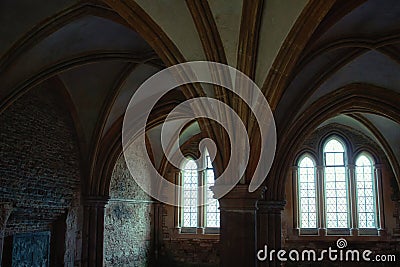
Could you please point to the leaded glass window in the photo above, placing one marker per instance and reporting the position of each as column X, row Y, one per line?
column 336, row 199
column 212, row 207
column 193, row 179
column 190, row 194
column 307, row 193
column 337, row 195
column 366, row 198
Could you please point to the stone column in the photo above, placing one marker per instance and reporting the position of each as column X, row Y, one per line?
column 176, row 178
column 295, row 200
column 319, row 190
column 380, row 220
column 93, row 230
column 238, row 232
column 270, row 228
column 5, row 211
column 352, row 185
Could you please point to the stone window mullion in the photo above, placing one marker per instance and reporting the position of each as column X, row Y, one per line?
column 379, row 199
column 200, row 208
column 296, row 211
column 352, row 195
column 321, row 200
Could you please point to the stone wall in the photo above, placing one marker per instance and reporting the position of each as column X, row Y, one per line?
column 39, row 166
column 128, row 221
column 190, row 252
column 73, row 238
column 181, row 249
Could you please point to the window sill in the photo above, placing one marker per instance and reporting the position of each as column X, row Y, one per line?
column 372, row 234
column 196, row 233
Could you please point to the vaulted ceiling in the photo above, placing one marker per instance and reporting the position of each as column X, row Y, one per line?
column 356, row 45
column 298, row 52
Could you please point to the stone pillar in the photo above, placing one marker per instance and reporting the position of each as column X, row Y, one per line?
column 295, row 201
column 93, row 230
column 270, row 228
column 380, row 220
column 5, row 211
column 352, row 185
column 238, row 229
column 321, row 200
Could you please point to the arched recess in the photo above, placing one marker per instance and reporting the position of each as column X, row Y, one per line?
column 50, row 75
column 348, row 99
column 97, row 196
column 109, row 156
column 110, row 149
column 41, row 169
column 143, row 24
column 44, row 29
column 129, row 216
column 327, row 61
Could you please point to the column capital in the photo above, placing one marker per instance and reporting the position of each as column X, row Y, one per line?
column 320, row 167
column 240, row 199
column 95, row 201
column 378, row 166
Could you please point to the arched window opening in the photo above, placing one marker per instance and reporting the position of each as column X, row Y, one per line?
column 335, row 197
column 194, row 215
column 307, row 193
column 366, row 197
column 336, row 193
column 212, row 207
column 190, row 185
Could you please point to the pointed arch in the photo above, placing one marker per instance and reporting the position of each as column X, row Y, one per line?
column 366, row 191
column 348, row 99
column 307, row 192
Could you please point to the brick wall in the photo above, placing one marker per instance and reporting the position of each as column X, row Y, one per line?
column 184, row 250
column 180, row 249
column 190, row 252
column 39, row 166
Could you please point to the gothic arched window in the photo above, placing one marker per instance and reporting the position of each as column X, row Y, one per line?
column 335, row 195
column 190, row 183
column 194, row 215
column 336, row 200
column 366, row 196
column 307, row 193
